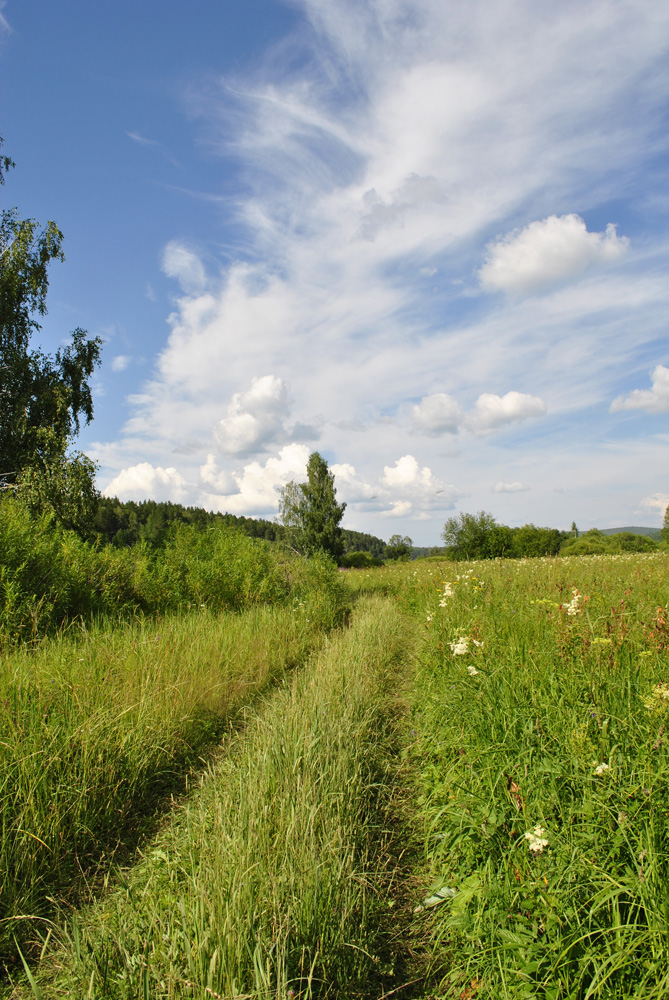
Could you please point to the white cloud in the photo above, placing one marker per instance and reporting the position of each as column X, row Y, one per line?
column 654, row 400
column 547, row 252
column 258, row 485
column 251, row 490
column 412, row 489
column 437, row 414
column 655, row 502
column 491, row 411
column 217, row 480
column 181, row 263
column 255, row 417
column 120, row 362
column 350, row 486
column 442, row 414
column 406, row 136
column 510, row 488
column 144, row 481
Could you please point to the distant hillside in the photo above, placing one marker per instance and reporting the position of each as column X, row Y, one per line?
column 654, row 533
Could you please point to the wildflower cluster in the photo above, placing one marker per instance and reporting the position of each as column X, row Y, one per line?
column 460, row 647
column 658, row 698
column 573, row 607
column 601, row 769
column 536, row 840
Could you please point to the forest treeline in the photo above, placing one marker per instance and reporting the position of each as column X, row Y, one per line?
column 125, row 523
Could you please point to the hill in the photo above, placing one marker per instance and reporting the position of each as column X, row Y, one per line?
column 654, row 533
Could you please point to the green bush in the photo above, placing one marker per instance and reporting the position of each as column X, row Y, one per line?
column 49, row 578
column 594, row 542
column 359, row 560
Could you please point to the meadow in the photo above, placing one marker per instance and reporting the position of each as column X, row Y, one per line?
column 539, row 709
column 461, row 792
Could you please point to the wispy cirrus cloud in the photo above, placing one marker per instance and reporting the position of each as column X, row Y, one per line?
column 375, row 175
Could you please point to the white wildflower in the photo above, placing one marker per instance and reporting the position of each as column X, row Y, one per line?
column 573, row 606
column 460, row 647
column 472, row 671
column 536, row 840
column 602, row 768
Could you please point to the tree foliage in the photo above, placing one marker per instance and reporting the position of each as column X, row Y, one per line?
column 43, row 398
column 470, row 536
column 399, row 547
column 310, row 512
column 479, row 536
column 125, row 523
column 665, row 527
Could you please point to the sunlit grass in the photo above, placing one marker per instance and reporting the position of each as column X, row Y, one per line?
column 270, row 881
column 540, row 712
column 96, row 727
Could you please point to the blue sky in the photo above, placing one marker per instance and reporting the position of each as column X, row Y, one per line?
column 427, row 239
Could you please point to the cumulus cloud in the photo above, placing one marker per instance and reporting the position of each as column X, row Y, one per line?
column 258, row 484
column 442, row 414
column 653, row 400
column 491, row 411
column 412, row 489
column 255, row 417
column 510, row 488
column 405, row 489
column 547, row 252
column 253, row 489
column 145, row 481
column 655, row 502
column 181, row 263
column 120, row 362
column 351, row 486
column 437, row 414
column 217, row 480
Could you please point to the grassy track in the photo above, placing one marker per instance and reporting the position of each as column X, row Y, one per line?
column 94, row 730
column 274, row 880
column 540, row 711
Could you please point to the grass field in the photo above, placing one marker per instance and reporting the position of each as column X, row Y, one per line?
column 539, row 713
column 529, row 858
column 99, row 725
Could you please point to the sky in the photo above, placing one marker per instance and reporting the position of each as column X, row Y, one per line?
column 427, row 239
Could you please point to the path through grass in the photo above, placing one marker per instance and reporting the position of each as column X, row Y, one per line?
column 276, row 879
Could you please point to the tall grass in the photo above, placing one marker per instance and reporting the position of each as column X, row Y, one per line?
column 269, row 883
column 97, row 725
column 543, row 757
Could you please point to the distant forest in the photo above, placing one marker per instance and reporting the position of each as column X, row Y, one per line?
column 123, row 523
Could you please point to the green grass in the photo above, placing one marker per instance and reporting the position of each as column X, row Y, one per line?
column 275, row 879
column 536, row 742
column 510, row 736
column 98, row 726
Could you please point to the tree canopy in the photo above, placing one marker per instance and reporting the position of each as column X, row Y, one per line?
column 399, row 547
column 479, row 536
column 43, row 397
column 310, row 511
